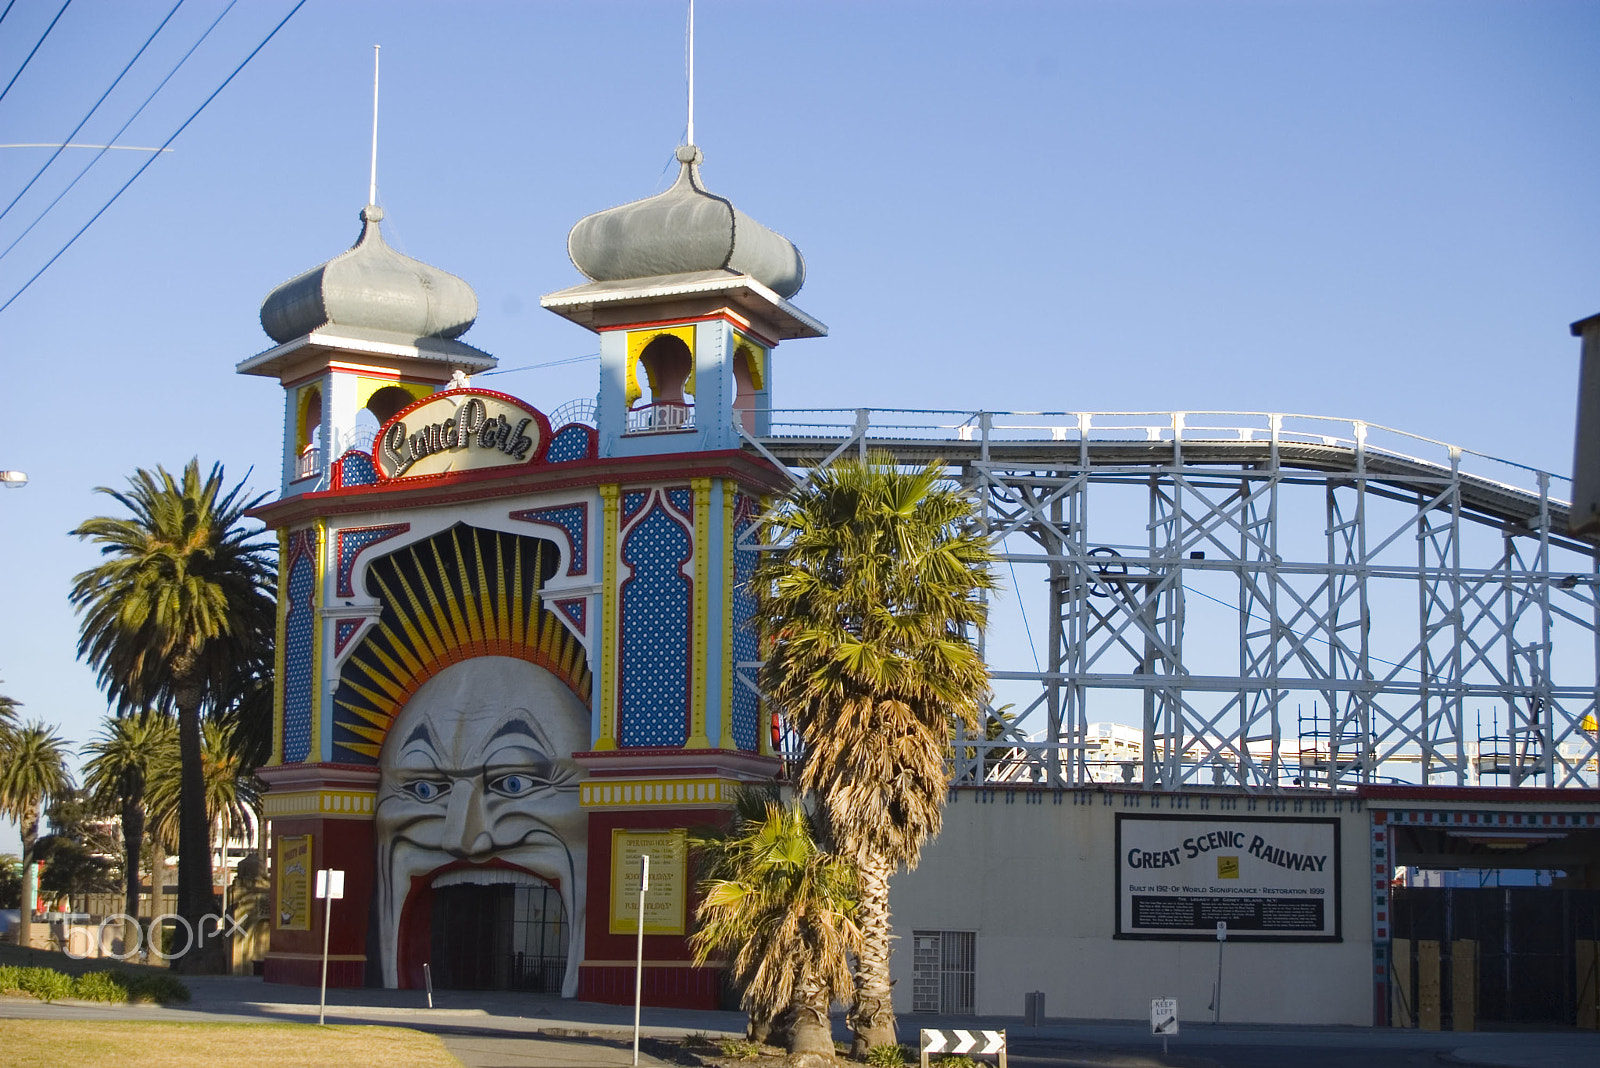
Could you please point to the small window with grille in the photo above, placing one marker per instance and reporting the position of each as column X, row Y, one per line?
column 944, row 972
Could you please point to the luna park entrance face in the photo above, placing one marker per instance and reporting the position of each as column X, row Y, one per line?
column 499, row 937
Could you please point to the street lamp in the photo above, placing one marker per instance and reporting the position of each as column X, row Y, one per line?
column 13, row 479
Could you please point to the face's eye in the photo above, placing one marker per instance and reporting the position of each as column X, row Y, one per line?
column 517, row 784
column 425, row 789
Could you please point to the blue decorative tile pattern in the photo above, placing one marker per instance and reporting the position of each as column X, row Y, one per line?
column 300, row 634
column 746, row 725
column 343, row 633
column 654, row 691
column 575, row 441
column 356, row 469
column 682, row 500
column 575, row 610
column 573, row 520
column 632, row 501
column 351, row 541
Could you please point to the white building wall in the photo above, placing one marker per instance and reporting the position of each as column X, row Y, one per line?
column 1035, row 876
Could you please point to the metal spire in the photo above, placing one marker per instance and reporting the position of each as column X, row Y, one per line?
column 691, row 73
column 372, row 185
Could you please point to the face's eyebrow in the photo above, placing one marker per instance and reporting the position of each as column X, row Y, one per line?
column 515, row 726
column 420, row 733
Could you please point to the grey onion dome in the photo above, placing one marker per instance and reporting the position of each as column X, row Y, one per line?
column 684, row 229
column 374, row 287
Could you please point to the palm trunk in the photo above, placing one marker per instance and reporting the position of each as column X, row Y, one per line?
column 810, row 1034
column 872, row 1016
column 29, row 826
column 195, row 899
column 132, row 841
column 158, row 890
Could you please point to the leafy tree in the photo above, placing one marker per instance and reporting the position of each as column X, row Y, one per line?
column 232, row 792
column 10, row 881
column 180, row 599
column 8, row 713
column 117, row 776
column 784, row 909
column 33, row 771
column 870, row 609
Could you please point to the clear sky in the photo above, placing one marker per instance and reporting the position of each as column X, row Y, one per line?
column 1384, row 211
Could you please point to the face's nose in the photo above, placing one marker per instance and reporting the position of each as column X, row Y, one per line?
column 466, row 826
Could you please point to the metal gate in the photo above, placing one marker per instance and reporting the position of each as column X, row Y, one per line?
column 944, row 973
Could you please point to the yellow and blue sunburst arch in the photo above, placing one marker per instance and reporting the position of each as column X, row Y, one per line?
column 463, row 593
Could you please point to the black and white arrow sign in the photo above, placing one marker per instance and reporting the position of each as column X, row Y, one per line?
column 960, row 1041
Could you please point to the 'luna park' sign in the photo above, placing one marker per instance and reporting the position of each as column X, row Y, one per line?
column 460, row 430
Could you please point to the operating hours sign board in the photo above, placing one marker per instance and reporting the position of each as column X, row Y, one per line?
column 1269, row 880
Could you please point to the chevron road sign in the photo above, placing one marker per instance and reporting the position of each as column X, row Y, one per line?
column 974, row 1043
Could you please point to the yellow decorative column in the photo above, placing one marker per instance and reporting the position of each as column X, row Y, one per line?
column 609, row 504
column 729, row 490
column 702, row 614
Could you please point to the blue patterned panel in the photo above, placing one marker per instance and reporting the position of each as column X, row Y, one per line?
column 682, row 500
column 356, row 469
column 300, row 632
column 572, row 442
column 575, row 610
column 654, row 697
column 746, row 725
column 571, row 518
column 632, row 501
column 351, row 541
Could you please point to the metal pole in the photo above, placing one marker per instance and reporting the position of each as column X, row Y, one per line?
column 427, row 981
column 638, row 966
column 1216, row 1016
column 327, row 922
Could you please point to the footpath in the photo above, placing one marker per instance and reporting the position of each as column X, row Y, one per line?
column 497, row 1029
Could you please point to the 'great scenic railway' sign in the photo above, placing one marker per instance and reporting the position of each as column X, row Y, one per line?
column 1267, row 879
column 459, row 430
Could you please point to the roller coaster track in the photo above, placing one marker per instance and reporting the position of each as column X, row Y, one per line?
column 1210, row 575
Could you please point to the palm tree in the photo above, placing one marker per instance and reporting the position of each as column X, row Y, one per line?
column 870, row 610
column 785, row 909
column 8, row 713
column 33, row 771
column 232, row 792
column 117, row 775
column 181, row 597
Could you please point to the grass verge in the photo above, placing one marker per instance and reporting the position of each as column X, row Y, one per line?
column 139, row 1044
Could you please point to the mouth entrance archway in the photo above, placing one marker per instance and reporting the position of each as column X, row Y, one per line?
column 498, row 930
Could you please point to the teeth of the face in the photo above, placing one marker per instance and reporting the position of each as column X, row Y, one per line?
column 485, row 877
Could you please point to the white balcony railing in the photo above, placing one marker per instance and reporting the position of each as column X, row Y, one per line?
column 660, row 418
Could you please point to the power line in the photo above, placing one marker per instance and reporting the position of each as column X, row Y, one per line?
column 25, row 62
column 531, row 366
column 117, row 81
column 7, row 11
column 108, row 147
column 154, row 156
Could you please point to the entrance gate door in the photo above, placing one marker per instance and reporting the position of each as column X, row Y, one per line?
column 1528, row 947
column 499, row 937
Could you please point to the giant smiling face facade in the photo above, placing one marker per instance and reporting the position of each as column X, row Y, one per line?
column 477, row 776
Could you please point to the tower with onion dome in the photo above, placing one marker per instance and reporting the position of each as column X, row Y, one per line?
column 359, row 338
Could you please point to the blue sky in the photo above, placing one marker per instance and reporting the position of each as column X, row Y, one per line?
column 1376, row 210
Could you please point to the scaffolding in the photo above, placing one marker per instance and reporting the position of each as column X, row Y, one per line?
column 1208, row 574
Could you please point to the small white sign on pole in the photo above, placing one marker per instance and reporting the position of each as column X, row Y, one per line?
column 1163, row 1016
column 330, row 885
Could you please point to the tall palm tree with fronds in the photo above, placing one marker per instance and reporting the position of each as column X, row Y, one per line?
column 8, row 713
column 784, row 908
column 33, row 771
column 232, row 792
column 182, row 595
column 117, row 776
column 871, row 610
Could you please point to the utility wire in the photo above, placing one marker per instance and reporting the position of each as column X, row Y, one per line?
column 112, row 143
column 7, row 11
column 124, row 73
column 154, row 156
column 531, row 366
column 25, row 62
